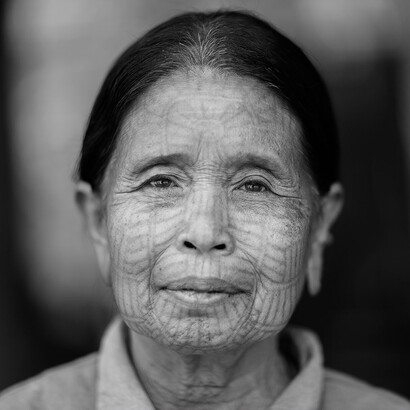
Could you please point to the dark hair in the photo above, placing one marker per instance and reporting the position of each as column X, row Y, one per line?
column 226, row 41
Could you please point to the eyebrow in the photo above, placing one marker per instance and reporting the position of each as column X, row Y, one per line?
column 268, row 164
column 170, row 159
column 246, row 160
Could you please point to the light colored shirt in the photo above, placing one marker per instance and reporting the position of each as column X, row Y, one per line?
column 107, row 381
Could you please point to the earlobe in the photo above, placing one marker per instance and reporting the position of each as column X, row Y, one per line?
column 330, row 208
column 90, row 205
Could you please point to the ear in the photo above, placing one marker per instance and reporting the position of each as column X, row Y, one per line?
column 330, row 208
column 90, row 204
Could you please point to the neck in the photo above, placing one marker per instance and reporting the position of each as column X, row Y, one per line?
column 250, row 377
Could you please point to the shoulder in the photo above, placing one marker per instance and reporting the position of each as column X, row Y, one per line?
column 345, row 392
column 64, row 387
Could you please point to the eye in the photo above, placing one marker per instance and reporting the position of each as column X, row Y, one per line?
column 161, row 182
column 253, row 186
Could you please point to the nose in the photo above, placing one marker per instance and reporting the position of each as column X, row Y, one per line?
column 202, row 240
column 206, row 227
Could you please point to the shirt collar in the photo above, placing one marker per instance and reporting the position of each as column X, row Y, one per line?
column 305, row 391
column 118, row 386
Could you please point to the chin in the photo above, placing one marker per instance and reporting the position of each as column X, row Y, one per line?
column 199, row 342
column 199, row 336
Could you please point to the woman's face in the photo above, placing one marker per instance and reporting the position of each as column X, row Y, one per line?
column 209, row 214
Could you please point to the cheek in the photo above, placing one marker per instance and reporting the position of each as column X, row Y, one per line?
column 137, row 237
column 276, row 248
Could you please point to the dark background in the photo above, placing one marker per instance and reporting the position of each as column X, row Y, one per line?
column 362, row 314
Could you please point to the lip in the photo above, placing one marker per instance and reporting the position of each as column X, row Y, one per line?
column 203, row 285
column 196, row 292
column 197, row 300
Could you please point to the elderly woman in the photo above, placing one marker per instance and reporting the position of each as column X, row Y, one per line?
column 208, row 181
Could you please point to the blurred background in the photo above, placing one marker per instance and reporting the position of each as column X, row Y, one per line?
column 55, row 53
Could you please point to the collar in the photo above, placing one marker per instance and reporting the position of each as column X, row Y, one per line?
column 118, row 386
column 305, row 391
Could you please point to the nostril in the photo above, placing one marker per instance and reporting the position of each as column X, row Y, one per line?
column 189, row 245
column 220, row 247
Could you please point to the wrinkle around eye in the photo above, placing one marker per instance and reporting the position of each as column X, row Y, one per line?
column 147, row 183
column 265, row 202
column 262, row 185
column 155, row 182
column 265, row 187
column 280, row 185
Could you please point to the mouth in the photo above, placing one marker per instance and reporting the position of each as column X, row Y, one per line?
column 198, row 291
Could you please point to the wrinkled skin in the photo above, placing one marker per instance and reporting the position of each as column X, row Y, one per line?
column 209, row 184
column 208, row 225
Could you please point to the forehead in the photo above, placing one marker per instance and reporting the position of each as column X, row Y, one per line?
column 225, row 115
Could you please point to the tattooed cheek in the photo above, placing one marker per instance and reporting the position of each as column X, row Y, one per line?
column 139, row 234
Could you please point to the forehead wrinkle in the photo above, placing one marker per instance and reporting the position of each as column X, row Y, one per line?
column 240, row 102
column 231, row 88
column 271, row 124
column 281, row 142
